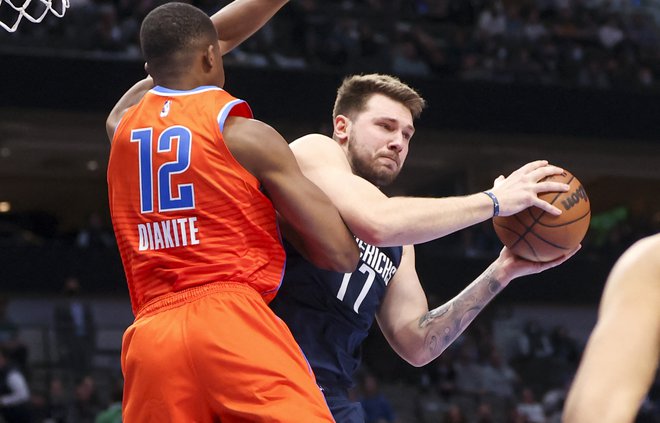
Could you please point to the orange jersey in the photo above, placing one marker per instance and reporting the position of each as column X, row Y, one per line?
column 184, row 211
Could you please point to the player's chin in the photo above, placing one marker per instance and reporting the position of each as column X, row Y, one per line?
column 385, row 177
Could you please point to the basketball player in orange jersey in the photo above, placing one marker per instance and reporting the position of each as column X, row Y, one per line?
column 330, row 313
column 620, row 361
column 194, row 184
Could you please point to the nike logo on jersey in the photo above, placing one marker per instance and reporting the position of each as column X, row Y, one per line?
column 166, row 109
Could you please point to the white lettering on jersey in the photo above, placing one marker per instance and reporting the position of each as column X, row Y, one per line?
column 168, row 234
column 376, row 260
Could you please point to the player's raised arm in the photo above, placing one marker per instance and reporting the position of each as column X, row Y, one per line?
column 387, row 221
column 263, row 152
column 241, row 18
column 234, row 23
column 621, row 357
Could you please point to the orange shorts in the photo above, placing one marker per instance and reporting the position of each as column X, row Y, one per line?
column 216, row 353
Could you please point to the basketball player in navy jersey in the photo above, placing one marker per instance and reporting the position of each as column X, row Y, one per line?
column 330, row 313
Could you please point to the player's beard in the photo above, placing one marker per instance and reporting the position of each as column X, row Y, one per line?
column 365, row 165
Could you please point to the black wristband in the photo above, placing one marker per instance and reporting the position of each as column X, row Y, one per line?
column 496, row 204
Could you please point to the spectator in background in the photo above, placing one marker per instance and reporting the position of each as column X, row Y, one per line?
column 429, row 407
column 469, row 381
column 492, row 21
column 14, row 392
column 10, row 341
column 534, row 342
column 85, row 405
column 564, row 347
column 57, row 401
column 75, row 329
column 499, row 383
column 95, row 235
column 445, row 375
column 484, row 414
column 454, row 415
column 112, row 414
column 529, row 407
column 533, row 28
column 377, row 407
column 553, row 401
column 610, row 33
column 406, row 59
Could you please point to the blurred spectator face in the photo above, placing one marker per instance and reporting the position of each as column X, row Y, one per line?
column 71, row 286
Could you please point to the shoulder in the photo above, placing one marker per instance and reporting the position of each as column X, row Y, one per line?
column 648, row 247
column 643, row 257
column 319, row 150
column 635, row 277
column 257, row 146
column 317, row 145
column 245, row 133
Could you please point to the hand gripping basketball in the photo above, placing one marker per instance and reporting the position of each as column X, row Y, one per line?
column 540, row 236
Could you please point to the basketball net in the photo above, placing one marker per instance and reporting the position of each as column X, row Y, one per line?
column 33, row 10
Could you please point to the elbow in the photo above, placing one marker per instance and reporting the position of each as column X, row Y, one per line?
column 376, row 233
column 348, row 259
column 418, row 360
column 414, row 357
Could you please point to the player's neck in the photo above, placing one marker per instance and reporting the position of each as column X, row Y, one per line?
column 179, row 83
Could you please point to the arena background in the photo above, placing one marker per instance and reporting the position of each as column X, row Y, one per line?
column 53, row 154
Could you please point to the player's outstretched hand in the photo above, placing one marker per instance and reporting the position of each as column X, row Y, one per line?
column 521, row 188
column 513, row 266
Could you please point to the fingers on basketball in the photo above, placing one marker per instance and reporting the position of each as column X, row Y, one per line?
column 540, row 236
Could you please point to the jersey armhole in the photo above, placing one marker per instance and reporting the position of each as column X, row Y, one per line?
column 238, row 108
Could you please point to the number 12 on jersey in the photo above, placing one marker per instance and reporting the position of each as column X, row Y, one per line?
column 186, row 192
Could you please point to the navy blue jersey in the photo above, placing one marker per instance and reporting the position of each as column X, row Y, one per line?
column 330, row 313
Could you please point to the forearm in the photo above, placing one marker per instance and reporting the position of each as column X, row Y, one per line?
column 439, row 327
column 19, row 392
column 316, row 228
column 241, row 18
column 413, row 220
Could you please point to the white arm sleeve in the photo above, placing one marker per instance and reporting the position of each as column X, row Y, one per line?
column 19, row 389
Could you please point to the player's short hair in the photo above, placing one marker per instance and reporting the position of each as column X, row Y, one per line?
column 174, row 28
column 356, row 90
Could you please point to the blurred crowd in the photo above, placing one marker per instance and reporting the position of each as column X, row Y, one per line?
column 507, row 367
column 600, row 44
column 501, row 370
column 52, row 377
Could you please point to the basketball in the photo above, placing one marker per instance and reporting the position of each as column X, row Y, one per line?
column 539, row 236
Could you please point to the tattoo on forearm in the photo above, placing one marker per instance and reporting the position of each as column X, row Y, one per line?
column 448, row 321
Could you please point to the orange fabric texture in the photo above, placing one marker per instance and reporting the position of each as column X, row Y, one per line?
column 216, row 351
column 184, row 211
column 203, row 257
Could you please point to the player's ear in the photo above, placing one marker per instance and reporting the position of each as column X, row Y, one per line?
column 209, row 56
column 146, row 68
column 342, row 127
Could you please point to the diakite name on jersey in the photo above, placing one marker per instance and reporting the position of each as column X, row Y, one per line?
column 377, row 260
column 168, row 234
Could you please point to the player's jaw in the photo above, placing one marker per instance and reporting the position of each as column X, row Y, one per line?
column 379, row 166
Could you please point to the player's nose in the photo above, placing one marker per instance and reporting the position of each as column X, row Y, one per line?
column 397, row 143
